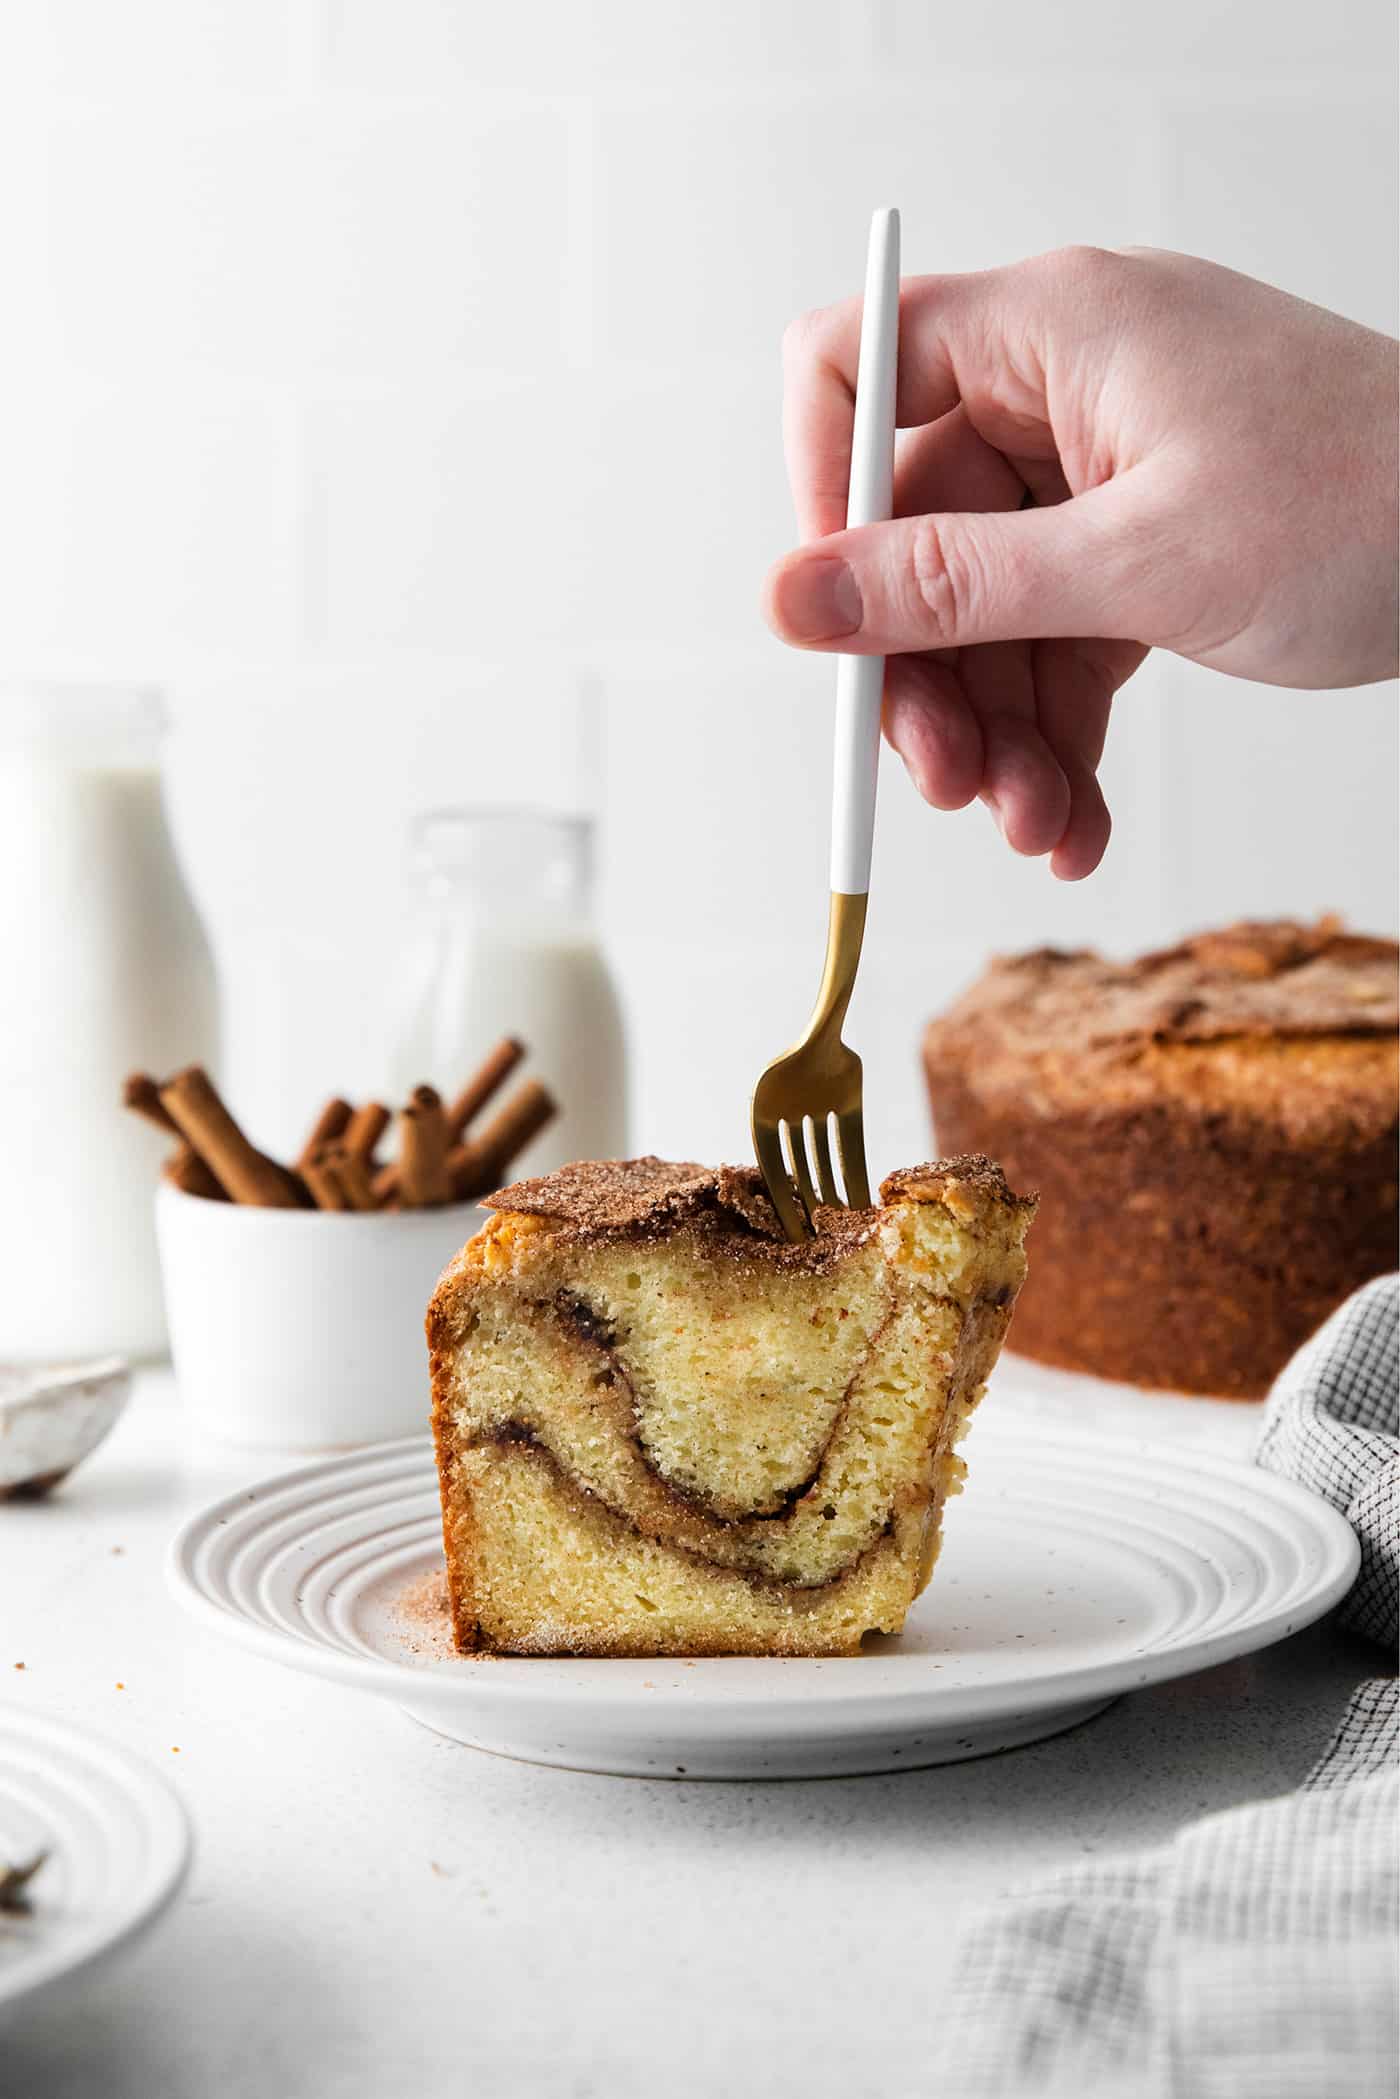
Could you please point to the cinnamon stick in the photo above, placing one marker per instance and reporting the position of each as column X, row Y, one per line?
column 486, row 1080
column 332, row 1121
column 423, row 1175
column 324, row 1182
column 141, row 1094
column 364, row 1129
column 386, row 1183
column 249, row 1175
column 468, row 1180
column 184, row 1169
column 478, row 1166
column 352, row 1175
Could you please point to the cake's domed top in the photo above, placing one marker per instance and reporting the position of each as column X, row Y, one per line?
column 1262, row 977
column 1269, row 1019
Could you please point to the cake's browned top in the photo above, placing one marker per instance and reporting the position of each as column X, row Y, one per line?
column 1272, row 1016
column 648, row 1197
column 1268, row 978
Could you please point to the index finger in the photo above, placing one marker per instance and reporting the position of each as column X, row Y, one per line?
column 820, row 353
column 949, row 330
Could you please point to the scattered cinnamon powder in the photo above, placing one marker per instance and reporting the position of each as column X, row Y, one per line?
column 422, row 1608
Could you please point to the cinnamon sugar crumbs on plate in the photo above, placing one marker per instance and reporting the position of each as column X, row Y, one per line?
column 422, row 1608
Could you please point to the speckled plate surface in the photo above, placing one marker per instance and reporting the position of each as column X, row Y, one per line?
column 117, row 1849
column 1073, row 1570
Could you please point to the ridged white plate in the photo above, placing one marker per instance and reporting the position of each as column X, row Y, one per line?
column 1072, row 1571
column 118, row 1849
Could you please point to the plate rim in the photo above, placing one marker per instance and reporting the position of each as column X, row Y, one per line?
column 520, row 1683
column 164, row 1813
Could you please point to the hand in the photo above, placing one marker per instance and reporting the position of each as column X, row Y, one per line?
column 1212, row 469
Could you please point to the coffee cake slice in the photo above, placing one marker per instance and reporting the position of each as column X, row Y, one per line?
column 662, row 1429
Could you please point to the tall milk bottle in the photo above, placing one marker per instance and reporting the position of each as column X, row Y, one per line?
column 104, row 970
column 503, row 943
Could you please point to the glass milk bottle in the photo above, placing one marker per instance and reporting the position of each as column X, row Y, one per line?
column 104, row 970
column 504, row 944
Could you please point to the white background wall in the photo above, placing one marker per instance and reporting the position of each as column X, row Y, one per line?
column 372, row 365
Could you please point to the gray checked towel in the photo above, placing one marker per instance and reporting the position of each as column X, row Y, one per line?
column 1255, row 1956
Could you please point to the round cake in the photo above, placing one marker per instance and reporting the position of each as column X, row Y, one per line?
column 1212, row 1131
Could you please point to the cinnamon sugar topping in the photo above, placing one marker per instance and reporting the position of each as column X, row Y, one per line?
column 1254, row 979
column 611, row 1195
column 651, row 1196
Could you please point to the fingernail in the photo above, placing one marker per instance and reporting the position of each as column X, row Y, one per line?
column 818, row 599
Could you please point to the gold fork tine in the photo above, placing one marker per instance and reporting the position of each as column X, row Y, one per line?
column 850, row 1144
column 826, row 1173
column 819, row 1078
column 796, row 1135
column 773, row 1167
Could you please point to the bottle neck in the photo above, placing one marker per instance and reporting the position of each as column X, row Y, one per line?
column 504, row 868
column 82, row 728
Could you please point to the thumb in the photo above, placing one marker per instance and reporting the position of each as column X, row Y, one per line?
column 955, row 577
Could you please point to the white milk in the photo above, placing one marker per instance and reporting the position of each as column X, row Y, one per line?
column 104, row 970
column 505, row 945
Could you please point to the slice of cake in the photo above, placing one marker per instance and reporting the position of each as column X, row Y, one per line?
column 662, row 1429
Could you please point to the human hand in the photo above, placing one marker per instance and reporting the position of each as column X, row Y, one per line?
column 1212, row 466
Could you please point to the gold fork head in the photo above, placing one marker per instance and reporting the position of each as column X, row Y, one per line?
column 812, row 1085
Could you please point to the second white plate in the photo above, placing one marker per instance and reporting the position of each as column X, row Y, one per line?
column 116, row 1846
column 1072, row 1571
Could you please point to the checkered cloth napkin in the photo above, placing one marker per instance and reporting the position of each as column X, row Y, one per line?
column 1255, row 1956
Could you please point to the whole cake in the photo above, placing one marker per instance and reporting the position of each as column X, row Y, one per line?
column 1213, row 1133
column 662, row 1429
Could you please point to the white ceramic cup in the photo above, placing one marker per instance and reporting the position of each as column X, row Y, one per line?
column 302, row 1329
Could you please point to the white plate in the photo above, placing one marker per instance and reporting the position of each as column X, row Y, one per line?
column 1072, row 1571
column 117, row 1841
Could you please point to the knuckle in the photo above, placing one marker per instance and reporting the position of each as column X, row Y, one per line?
column 1088, row 267
column 948, row 579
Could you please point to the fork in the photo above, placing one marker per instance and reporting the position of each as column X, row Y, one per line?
column 818, row 1081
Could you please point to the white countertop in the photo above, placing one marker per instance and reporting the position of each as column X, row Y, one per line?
column 374, row 1910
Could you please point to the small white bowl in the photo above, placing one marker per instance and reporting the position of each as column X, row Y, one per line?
column 52, row 1416
column 302, row 1329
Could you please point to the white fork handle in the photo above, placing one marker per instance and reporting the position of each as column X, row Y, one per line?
column 860, row 679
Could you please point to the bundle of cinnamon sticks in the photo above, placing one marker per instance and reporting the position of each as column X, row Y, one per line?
column 442, row 1155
